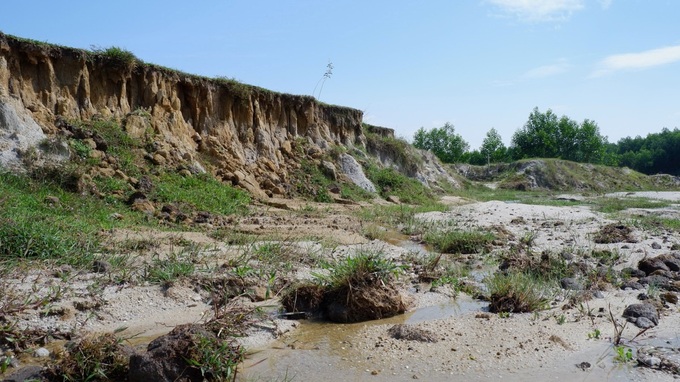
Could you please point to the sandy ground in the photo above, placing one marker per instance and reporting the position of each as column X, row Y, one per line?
column 472, row 345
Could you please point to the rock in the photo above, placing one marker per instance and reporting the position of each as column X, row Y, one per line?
column 41, row 353
column 165, row 357
column 659, row 281
column 28, row 373
column 328, row 169
column 393, row 199
column 570, row 284
column 135, row 197
column 353, row 170
column 101, row 266
column 656, row 245
column 52, row 200
column 649, row 361
column 651, row 264
column 411, row 333
column 632, row 272
column 145, row 206
column 598, row 294
column 669, row 297
column 144, row 185
column 642, row 315
column 644, row 323
column 671, row 260
column 675, row 247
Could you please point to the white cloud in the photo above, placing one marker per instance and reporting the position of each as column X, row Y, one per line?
column 641, row 60
column 605, row 4
column 539, row 10
column 547, row 70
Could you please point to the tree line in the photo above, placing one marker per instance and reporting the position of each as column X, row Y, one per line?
column 545, row 135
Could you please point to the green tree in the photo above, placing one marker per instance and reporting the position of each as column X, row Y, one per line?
column 546, row 136
column 443, row 142
column 493, row 149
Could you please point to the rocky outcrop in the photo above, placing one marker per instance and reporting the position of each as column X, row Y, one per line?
column 246, row 134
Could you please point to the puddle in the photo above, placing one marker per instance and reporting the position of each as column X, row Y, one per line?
column 323, row 350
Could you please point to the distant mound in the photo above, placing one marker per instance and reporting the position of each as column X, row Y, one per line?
column 561, row 175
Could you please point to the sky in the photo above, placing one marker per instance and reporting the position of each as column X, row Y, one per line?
column 477, row 64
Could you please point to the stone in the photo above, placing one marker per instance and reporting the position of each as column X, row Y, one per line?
column 329, row 170
column 642, row 315
column 101, row 266
column 41, row 353
column 28, row 373
column 353, row 170
column 656, row 245
column 651, row 264
column 144, row 205
column 570, row 283
column 165, row 357
column 411, row 333
column 393, row 199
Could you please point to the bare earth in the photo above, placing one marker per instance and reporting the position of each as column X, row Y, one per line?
column 472, row 344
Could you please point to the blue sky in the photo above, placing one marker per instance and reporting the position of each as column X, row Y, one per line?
column 475, row 63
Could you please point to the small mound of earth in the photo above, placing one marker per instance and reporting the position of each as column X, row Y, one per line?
column 411, row 333
column 614, row 233
column 370, row 301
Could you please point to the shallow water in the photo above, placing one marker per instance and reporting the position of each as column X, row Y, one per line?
column 322, row 350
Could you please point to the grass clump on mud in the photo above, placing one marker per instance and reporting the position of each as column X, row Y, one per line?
column 357, row 288
column 516, row 292
column 100, row 358
column 459, row 241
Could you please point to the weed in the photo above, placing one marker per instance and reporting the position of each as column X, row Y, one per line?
column 517, row 292
column 561, row 319
column 610, row 205
column 595, row 334
column 217, row 359
column 115, row 56
column 623, row 354
column 390, row 182
column 80, row 148
column 168, row 270
column 223, row 199
column 99, row 358
column 459, row 241
column 356, row 270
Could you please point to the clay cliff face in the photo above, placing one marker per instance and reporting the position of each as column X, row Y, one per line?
column 247, row 134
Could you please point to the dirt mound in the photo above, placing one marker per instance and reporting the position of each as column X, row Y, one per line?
column 614, row 233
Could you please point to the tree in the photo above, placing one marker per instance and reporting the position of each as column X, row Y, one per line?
column 546, row 136
column 443, row 142
column 493, row 148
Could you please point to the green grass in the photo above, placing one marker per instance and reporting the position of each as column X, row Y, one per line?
column 36, row 228
column 610, row 205
column 655, row 223
column 116, row 57
column 398, row 216
column 357, row 270
column 390, row 182
column 458, row 241
column 170, row 269
column 517, row 292
column 202, row 192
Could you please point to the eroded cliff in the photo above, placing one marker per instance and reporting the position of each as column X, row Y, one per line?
column 243, row 134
